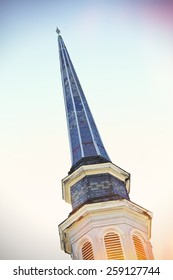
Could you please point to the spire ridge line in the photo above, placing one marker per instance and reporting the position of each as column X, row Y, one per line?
column 85, row 141
column 73, row 102
column 89, row 125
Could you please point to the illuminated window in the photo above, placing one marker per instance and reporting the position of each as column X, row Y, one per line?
column 113, row 246
column 87, row 251
column 140, row 252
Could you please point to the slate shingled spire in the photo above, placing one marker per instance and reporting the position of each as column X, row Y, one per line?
column 85, row 141
column 104, row 224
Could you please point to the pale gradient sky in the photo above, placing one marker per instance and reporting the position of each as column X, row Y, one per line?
column 123, row 54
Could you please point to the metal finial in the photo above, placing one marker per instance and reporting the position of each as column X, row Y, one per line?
column 58, row 31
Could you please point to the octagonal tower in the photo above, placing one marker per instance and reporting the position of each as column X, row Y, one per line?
column 104, row 224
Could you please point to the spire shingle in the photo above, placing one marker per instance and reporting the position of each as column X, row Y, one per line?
column 85, row 141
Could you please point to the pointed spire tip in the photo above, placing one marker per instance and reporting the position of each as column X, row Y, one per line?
column 58, row 31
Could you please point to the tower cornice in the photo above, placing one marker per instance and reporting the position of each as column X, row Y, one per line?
column 114, row 213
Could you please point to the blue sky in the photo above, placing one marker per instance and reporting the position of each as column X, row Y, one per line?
column 122, row 52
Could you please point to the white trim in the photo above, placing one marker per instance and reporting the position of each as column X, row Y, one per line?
column 140, row 234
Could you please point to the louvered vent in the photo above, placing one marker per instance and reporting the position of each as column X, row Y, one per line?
column 139, row 248
column 113, row 246
column 87, row 251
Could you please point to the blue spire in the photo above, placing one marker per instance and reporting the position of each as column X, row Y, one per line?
column 85, row 141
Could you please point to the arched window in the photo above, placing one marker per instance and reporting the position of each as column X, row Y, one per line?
column 113, row 246
column 140, row 252
column 87, row 251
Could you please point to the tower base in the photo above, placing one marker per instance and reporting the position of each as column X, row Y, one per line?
column 117, row 229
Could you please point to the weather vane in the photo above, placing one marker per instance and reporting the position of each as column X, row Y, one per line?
column 58, row 31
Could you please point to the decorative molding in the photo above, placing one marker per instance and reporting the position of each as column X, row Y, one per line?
column 114, row 214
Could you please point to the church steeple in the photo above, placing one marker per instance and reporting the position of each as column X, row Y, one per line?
column 85, row 141
column 104, row 223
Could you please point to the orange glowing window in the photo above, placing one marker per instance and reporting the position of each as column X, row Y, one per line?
column 113, row 246
column 87, row 251
column 140, row 252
